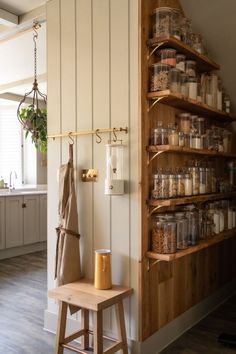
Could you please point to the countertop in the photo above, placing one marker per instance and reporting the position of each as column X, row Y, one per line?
column 24, row 190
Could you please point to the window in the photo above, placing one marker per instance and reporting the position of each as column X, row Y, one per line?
column 12, row 149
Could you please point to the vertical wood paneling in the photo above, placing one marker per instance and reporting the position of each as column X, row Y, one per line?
column 119, row 79
column 85, row 122
column 68, row 73
column 101, row 118
column 54, row 125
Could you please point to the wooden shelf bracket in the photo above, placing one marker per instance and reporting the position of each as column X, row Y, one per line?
column 154, row 210
column 151, row 263
column 154, row 50
column 154, row 156
column 150, row 107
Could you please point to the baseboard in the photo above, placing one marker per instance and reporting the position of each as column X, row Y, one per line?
column 19, row 251
column 165, row 336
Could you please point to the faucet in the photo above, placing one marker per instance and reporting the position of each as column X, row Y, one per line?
column 12, row 186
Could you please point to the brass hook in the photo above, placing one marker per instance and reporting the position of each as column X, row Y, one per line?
column 114, row 134
column 70, row 137
column 98, row 139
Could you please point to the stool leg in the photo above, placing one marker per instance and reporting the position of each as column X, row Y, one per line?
column 85, row 325
column 121, row 326
column 97, row 332
column 61, row 327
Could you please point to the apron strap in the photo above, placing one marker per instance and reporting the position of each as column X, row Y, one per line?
column 71, row 153
column 58, row 233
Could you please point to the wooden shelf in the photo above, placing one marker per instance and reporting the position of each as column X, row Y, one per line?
column 185, row 150
column 190, row 200
column 203, row 62
column 187, row 104
column 201, row 245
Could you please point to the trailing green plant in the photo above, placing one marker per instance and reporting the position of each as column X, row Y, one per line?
column 35, row 121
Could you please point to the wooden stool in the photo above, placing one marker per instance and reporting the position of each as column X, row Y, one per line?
column 83, row 294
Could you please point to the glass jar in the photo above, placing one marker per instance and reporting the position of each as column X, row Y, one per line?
column 185, row 30
column 193, row 227
column 175, row 23
column 180, row 185
column 184, row 122
column 209, row 229
column 159, row 136
column 227, row 103
column 210, row 145
column 173, row 188
column 231, row 167
column 196, row 141
column 188, row 184
column 190, row 68
column 202, row 180
column 173, row 137
column 197, row 43
column 208, row 180
column 213, row 181
column 182, row 231
column 200, row 125
column 159, row 74
column 230, row 218
column 161, row 22
column 168, row 56
column 174, row 80
column 194, row 172
column 187, row 140
column 227, row 141
column 192, row 88
column 181, row 139
column 193, row 127
column 164, row 236
column 160, row 186
column 180, row 62
column 184, row 84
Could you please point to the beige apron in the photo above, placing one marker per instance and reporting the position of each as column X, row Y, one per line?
column 67, row 267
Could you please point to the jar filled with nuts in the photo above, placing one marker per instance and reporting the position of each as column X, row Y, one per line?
column 180, row 185
column 161, row 22
column 160, row 186
column 164, row 239
column 159, row 78
column 172, row 186
column 194, row 172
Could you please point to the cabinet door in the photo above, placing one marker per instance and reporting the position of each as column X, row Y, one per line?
column 2, row 224
column 31, row 219
column 43, row 218
column 14, row 221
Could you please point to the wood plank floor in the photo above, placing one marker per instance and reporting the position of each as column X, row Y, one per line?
column 23, row 296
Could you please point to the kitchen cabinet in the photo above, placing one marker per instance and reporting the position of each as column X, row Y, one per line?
column 14, row 221
column 25, row 220
column 2, row 224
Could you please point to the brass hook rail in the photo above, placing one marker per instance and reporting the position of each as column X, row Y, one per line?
column 88, row 132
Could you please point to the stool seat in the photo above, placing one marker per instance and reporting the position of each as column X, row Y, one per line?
column 83, row 294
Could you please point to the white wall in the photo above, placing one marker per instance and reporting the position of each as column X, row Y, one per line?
column 17, row 57
column 93, row 83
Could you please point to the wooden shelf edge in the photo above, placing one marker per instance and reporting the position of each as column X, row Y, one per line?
column 184, row 150
column 188, row 104
column 185, row 48
column 202, row 245
column 191, row 199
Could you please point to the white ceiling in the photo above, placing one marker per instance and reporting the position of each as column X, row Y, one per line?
column 19, row 7
column 215, row 20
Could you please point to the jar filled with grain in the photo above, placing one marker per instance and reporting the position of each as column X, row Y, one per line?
column 184, row 122
column 160, row 186
column 161, row 22
column 180, row 185
column 188, row 184
column 180, row 62
column 173, row 188
column 194, row 172
column 173, row 136
column 184, row 84
column 181, row 139
column 182, row 231
column 192, row 88
column 168, row 56
column 197, row 142
column 174, row 80
column 190, row 68
column 159, row 74
column 202, row 180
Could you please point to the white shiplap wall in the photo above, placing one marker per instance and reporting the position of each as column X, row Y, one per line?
column 93, row 83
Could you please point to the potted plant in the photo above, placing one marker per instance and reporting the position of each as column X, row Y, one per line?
column 35, row 121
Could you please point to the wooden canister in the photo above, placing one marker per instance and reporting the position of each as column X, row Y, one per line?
column 102, row 269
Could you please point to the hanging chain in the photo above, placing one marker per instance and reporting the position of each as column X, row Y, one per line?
column 36, row 26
